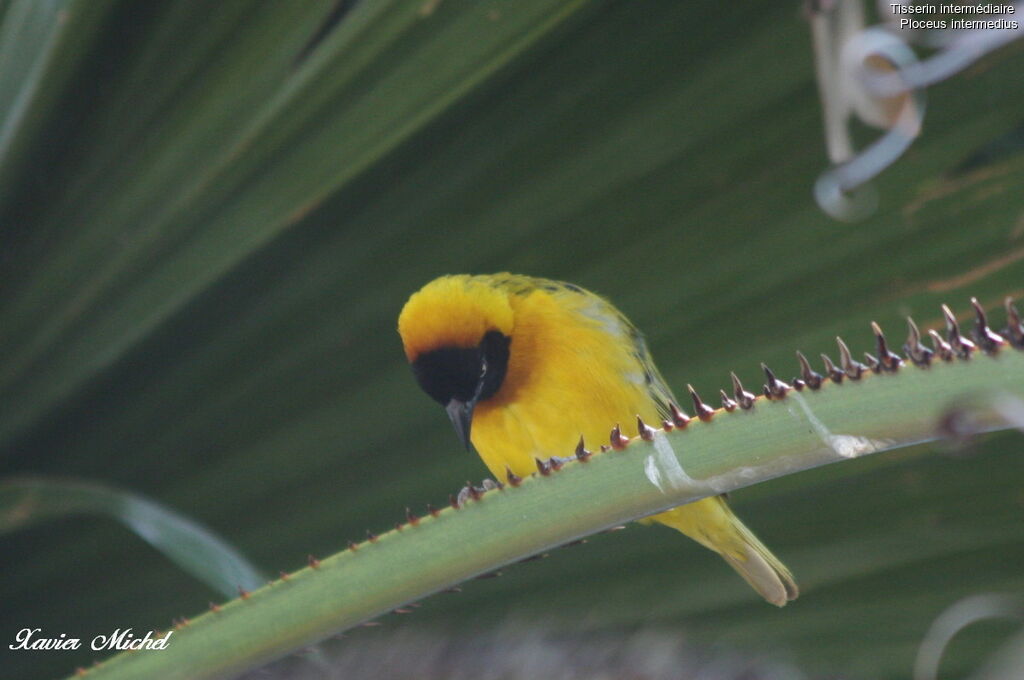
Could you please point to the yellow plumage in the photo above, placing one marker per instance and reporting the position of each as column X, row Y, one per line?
column 572, row 365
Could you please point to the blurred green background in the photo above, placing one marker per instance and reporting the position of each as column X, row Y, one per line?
column 211, row 214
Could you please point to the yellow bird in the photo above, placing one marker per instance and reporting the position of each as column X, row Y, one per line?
column 524, row 366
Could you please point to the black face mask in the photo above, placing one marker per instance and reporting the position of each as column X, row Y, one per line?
column 458, row 377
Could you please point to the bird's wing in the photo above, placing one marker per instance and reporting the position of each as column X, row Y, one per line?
column 656, row 385
column 613, row 321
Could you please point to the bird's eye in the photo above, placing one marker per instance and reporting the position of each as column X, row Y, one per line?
column 494, row 354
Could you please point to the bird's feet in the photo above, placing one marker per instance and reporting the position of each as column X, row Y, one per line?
column 475, row 492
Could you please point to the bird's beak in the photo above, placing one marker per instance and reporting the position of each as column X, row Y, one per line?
column 461, row 415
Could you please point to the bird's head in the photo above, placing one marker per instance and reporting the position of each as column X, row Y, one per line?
column 456, row 331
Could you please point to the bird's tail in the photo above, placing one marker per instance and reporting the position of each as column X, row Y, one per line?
column 711, row 523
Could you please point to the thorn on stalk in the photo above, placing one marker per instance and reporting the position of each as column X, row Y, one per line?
column 810, row 377
column 887, row 360
column 727, row 403
column 556, row 463
column 313, row 562
column 618, row 440
column 412, row 519
column 513, row 478
column 834, row 374
column 214, row 607
column 434, row 512
column 942, row 348
column 703, row 411
column 542, row 467
column 646, row 433
column 283, row 575
column 914, row 349
column 472, row 491
column 679, row 419
column 370, row 536
column 454, row 502
column 774, row 388
column 853, row 369
column 582, row 455
column 987, row 340
column 243, row 593
column 743, row 398
column 961, row 345
column 873, row 364
column 1014, row 330
column 352, row 546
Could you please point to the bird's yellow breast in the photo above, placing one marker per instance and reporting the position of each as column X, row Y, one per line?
column 573, row 370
